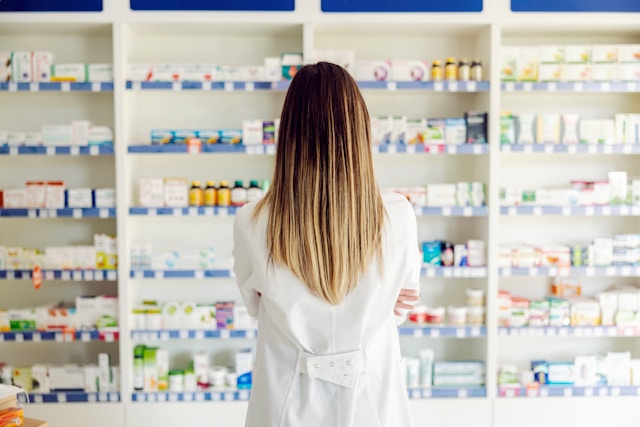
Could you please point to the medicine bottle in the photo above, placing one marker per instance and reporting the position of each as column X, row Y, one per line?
column 476, row 70
column 238, row 194
column 436, row 70
column 196, row 194
column 138, row 367
column 224, row 194
column 464, row 71
column 210, row 194
column 254, row 192
column 450, row 69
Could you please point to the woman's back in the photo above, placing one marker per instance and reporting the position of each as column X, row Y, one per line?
column 322, row 364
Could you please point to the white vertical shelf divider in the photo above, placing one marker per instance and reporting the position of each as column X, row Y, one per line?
column 123, row 184
column 494, row 213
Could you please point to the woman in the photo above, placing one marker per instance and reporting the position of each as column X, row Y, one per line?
column 321, row 261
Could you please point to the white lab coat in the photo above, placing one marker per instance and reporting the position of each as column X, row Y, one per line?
column 319, row 365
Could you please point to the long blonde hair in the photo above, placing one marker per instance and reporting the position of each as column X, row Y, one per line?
column 325, row 211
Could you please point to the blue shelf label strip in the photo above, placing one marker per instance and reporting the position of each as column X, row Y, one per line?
column 610, row 271
column 178, row 274
column 551, row 87
column 51, row 6
column 615, row 210
column 192, row 211
column 447, row 393
column 86, row 275
column 104, row 150
column 58, row 336
column 575, row 6
column 56, row 86
column 70, row 397
column 59, row 213
column 214, row 5
column 401, row 6
column 572, row 148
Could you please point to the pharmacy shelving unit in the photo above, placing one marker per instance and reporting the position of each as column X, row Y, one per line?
column 27, row 107
column 123, row 37
column 549, row 165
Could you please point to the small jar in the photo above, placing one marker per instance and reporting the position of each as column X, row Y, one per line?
column 476, row 70
column 418, row 314
column 436, row 70
column 154, row 319
column 464, row 70
column 475, row 297
column 457, row 316
column 210, row 194
column 217, row 376
column 475, row 315
column 140, row 318
column 196, row 194
column 176, row 380
column 190, row 382
column 450, row 69
column 435, row 315
column 231, row 379
column 447, row 254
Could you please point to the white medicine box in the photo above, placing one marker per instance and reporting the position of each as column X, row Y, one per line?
column 151, row 192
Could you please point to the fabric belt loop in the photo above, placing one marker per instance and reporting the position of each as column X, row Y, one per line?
column 338, row 368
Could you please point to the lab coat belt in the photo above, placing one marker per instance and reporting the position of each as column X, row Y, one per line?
column 338, row 368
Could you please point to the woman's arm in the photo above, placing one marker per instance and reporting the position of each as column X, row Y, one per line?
column 243, row 268
column 410, row 288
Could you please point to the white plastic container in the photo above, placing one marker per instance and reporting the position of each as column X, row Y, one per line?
column 457, row 315
column 475, row 315
column 475, row 297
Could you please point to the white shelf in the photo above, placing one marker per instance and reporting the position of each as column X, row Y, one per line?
column 57, row 87
column 576, row 87
column 611, row 271
column 70, row 397
column 74, row 213
column 570, row 331
column 66, row 275
column 94, row 150
column 460, row 332
column 454, row 272
column 571, row 148
column 570, row 391
column 60, row 336
column 613, row 210
column 428, row 86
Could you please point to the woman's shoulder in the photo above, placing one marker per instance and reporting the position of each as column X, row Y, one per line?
column 396, row 204
column 244, row 214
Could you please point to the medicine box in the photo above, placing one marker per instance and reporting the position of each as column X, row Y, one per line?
column 252, row 132
column 551, row 73
column 578, row 72
column 57, row 135
column 476, row 127
column 21, row 67
column 435, row 131
column 605, row 72
column 627, row 53
column 99, row 72
column 244, row 368
column 80, row 198
column 42, row 63
column 416, row 71
column 578, row 54
column 68, row 73
column 100, row 135
column 601, row 54
column 527, row 64
column 509, row 63
column 551, row 54
column 373, row 70
column 104, row 197
column 151, row 192
column 455, row 131
column 291, row 63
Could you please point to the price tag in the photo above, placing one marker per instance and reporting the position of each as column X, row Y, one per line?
column 462, row 393
column 152, row 397
column 509, row 87
column 434, row 333
column 13, row 87
column 243, row 395
column 566, row 211
column 611, row 271
column 77, row 276
column 627, row 149
column 607, row 149
column 209, row 211
column 228, row 86
column 59, row 337
column 471, row 86
column 224, row 334
column 85, row 336
column 625, row 271
column 229, row 396
column 152, row 212
column 176, row 86
column 567, row 392
column 592, row 149
column 223, row 211
column 446, row 211
column 544, row 392
column 477, row 149
column 375, row 149
column 553, row 271
column 89, row 275
column 589, row 211
column 572, row 149
column 578, row 87
column 112, row 275
column 199, row 274
column 457, row 272
column 108, row 337
column 461, row 333
column 77, row 213
column 606, row 210
column 632, row 87
column 270, row 149
column 506, row 271
column 437, row 86
column 514, row 332
column 173, row 397
column 605, row 86
column 199, row 397
column 431, row 272
column 392, row 149
column 588, row 392
column 162, row 397
column 426, row 393
column 184, row 334
column 453, row 86
column 512, row 211
column 193, row 211
column 588, row 332
column 528, row 149
column 548, row 149
column 537, row 211
column 250, row 334
column 615, row 392
column 19, row 337
column 612, row 332
column 533, row 271
column 603, row 392
column 36, row 337
column 136, row 85
column 11, row 275
column 216, row 397
column 598, row 332
column 467, row 212
column 451, row 149
column 138, row 274
column 411, row 149
column 552, row 332
column 34, row 87
column 417, row 333
column 475, row 331
column 96, row 86
column 74, row 151
column 177, row 212
column 1, row 337
column 392, row 86
column 94, row 150
column 527, row 87
column 102, row 397
column 65, row 275
column 249, row 86
column 62, row 397
column 159, row 274
column 447, row 272
column 635, row 211
column 199, row 335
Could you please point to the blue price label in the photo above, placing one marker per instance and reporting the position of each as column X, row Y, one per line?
column 215, row 5
column 51, row 6
column 575, row 6
column 401, row 6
